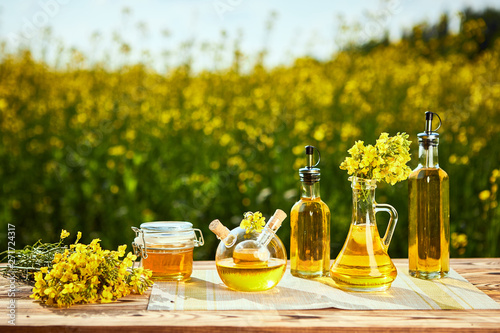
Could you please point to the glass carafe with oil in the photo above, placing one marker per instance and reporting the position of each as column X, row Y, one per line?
column 429, row 210
column 310, row 225
column 363, row 263
column 255, row 261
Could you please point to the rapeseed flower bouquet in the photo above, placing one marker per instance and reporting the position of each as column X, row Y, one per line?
column 88, row 274
column 386, row 161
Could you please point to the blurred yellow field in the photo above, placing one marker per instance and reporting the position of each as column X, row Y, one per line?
column 101, row 150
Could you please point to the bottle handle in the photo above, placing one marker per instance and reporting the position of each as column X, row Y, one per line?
column 392, row 222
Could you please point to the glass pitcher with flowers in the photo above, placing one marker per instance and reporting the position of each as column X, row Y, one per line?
column 363, row 263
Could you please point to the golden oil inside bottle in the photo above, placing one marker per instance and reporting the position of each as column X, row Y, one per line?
column 251, row 277
column 169, row 264
column 428, row 219
column 250, row 257
column 310, row 238
column 363, row 264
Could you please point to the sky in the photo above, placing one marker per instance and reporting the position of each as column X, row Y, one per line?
column 162, row 26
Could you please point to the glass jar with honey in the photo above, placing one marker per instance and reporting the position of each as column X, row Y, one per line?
column 166, row 248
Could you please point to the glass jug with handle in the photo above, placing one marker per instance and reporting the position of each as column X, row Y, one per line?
column 363, row 263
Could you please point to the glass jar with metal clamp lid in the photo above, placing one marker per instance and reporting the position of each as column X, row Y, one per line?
column 166, row 248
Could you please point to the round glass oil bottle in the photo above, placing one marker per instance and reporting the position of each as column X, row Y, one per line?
column 255, row 261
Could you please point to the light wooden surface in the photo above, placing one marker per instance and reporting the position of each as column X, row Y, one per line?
column 130, row 314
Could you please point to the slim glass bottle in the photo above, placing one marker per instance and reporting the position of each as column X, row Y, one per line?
column 429, row 210
column 310, row 226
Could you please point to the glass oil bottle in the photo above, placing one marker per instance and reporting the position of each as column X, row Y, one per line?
column 429, row 210
column 256, row 261
column 310, row 225
column 363, row 264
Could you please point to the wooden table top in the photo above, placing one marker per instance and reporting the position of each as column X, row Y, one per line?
column 129, row 314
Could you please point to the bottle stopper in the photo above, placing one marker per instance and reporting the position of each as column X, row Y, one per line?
column 310, row 174
column 218, row 229
column 275, row 221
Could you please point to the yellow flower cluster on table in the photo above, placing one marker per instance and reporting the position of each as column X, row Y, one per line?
column 253, row 222
column 386, row 161
column 89, row 274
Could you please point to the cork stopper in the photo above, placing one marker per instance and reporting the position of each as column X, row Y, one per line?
column 275, row 221
column 219, row 229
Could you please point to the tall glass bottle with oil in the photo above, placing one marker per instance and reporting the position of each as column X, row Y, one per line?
column 429, row 209
column 310, row 225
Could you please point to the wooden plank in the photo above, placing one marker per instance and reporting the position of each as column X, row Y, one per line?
column 130, row 315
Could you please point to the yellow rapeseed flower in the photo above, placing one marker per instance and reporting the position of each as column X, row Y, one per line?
column 484, row 195
column 64, row 234
column 78, row 236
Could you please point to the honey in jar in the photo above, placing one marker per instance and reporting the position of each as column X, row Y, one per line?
column 166, row 248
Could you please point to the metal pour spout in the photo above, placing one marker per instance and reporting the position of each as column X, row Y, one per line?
column 310, row 156
column 428, row 122
column 428, row 140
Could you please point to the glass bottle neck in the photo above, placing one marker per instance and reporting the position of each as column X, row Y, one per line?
column 265, row 237
column 270, row 228
column 229, row 240
column 310, row 191
column 363, row 203
column 428, row 156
